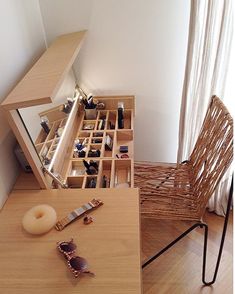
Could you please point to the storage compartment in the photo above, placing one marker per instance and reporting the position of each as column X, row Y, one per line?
column 97, row 140
column 98, row 134
column 94, row 150
column 108, row 144
column 102, row 114
column 76, row 169
column 75, row 182
column 127, row 119
column 80, row 147
column 125, row 141
column 53, row 131
column 112, row 117
column 91, row 166
column 102, row 120
column 83, row 134
column 90, row 114
column 101, row 124
column 45, row 149
column 122, row 174
column 89, row 125
column 106, row 172
column 91, row 182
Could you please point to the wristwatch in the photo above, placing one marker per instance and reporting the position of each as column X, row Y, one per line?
column 94, row 203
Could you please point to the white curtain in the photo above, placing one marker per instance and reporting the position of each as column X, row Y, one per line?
column 209, row 43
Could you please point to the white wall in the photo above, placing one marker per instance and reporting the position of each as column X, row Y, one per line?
column 132, row 47
column 22, row 42
column 65, row 16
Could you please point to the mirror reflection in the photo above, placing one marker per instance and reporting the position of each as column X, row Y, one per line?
column 46, row 123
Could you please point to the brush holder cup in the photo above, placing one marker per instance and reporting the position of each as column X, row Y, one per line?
column 90, row 113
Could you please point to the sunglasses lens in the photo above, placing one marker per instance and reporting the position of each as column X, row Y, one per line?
column 67, row 247
column 78, row 263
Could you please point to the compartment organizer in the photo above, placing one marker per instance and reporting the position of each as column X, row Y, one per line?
column 99, row 140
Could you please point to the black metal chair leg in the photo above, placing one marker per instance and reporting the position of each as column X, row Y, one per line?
column 201, row 225
column 221, row 242
column 171, row 244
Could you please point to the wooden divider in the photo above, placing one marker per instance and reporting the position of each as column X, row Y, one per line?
column 117, row 170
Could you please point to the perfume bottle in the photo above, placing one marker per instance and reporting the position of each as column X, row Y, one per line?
column 120, row 115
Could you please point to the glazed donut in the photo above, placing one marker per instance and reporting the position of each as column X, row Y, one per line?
column 39, row 219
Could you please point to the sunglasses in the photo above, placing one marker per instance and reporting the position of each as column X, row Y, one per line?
column 76, row 264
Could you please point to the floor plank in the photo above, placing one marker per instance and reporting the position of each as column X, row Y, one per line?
column 179, row 269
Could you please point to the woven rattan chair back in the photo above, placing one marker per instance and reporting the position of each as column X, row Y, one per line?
column 213, row 152
column 182, row 191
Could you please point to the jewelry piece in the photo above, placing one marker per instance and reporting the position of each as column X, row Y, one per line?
column 94, row 203
column 88, row 220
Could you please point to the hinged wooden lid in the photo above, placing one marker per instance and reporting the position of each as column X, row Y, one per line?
column 43, row 80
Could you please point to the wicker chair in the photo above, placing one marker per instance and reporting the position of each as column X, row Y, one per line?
column 181, row 192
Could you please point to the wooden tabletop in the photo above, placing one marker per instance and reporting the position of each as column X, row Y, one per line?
column 111, row 244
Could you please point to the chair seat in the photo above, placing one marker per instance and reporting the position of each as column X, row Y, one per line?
column 166, row 191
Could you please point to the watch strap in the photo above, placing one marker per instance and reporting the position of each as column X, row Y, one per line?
column 77, row 213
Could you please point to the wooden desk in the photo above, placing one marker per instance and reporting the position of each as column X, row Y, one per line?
column 31, row 264
column 26, row 181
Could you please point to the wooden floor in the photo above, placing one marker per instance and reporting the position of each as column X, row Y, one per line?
column 179, row 269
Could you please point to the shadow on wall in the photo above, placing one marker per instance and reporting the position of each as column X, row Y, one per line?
column 9, row 168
